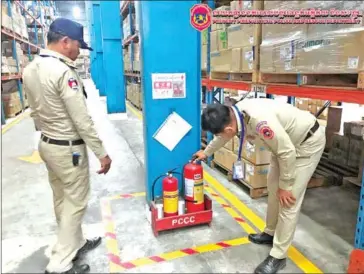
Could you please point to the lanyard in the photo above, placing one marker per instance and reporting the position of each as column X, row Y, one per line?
column 45, row 55
column 242, row 132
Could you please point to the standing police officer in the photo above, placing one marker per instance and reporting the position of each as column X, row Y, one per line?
column 296, row 141
column 58, row 106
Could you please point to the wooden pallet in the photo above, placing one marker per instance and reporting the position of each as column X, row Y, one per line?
column 350, row 80
column 317, row 180
column 12, row 115
column 132, row 71
column 253, row 192
column 232, row 76
column 15, row 34
column 137, row 107
column 334, row 172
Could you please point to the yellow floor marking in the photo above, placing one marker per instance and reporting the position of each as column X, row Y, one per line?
column 297, row 257
column 114, row 268
column 134, row 110
column 14, row 122
column 230, row 210
column 33, row 159
column 173, row 255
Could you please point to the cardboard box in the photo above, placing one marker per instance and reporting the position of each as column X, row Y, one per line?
column 332, row 52
column 357, row 130
column 230, row 145
column 256, row 176
column 204, row 57
column 302, row 103
column 222, row 39
column 214, row 46
column 266, row 59
column 225, row 158
column 204, row 37
column 334, row 115
column 248, row 59
column 221, row 60
column 356, row 148
column 256, row 153
column 240, row 35
column 236, row 60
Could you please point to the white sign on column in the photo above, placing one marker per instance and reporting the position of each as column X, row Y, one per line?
column 168, row 85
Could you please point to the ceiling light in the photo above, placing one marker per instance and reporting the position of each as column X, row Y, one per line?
column 76, row 12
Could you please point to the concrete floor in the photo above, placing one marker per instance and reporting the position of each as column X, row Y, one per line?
column 325, row 233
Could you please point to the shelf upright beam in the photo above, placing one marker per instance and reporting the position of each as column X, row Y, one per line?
column 359, row 234
column 209, row 93
column 113, row 62
column 15, row 56
column 99, row 68
column 130, row 9
column 160, row 62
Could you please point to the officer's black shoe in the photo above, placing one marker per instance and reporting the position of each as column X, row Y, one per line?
column 270, row 265
column 83, row 268
column 261, row 238
column 89, row 245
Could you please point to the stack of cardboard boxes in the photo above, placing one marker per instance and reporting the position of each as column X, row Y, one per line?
column 136, row 61
column 133, row 94
column 312, row 48
column 255, row 158
column 235, row 47
column 348, row 149
column 127, row 30
column 11, row 98
column 17, row 22
column 313, row 106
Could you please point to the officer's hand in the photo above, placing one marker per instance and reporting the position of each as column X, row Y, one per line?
column 105, row 165
column 199, row 156
column 286, row 198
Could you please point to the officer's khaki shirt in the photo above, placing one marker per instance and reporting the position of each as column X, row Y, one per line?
column 57, row 103
column 281, row 126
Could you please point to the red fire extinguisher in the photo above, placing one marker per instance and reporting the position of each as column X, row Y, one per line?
column 170, row 195
column 193, row 186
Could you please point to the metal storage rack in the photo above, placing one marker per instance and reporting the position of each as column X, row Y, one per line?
column 36, row 25
column 216, row 87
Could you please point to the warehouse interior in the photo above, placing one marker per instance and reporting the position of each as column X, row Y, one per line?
column 318, row 68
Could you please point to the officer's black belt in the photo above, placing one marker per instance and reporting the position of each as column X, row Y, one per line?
column 312, row 131
column 61, row 142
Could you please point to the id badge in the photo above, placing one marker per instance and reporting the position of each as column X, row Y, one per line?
column 238, row 170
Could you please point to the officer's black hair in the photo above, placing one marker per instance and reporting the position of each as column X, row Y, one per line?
column 54, row 37
column 215, row 118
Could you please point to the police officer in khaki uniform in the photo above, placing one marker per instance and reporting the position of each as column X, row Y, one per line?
column 58, row 106
column 296, row 141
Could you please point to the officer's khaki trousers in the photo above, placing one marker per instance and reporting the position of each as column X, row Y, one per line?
column 70, row 185
column 281, row 221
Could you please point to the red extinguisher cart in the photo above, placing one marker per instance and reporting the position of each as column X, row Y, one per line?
column 177, row 209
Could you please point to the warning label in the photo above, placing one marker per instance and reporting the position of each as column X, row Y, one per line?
column 168, row 85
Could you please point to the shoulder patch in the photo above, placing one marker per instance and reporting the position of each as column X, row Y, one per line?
column 260, row 125
column 267, row 132
column 72, row 83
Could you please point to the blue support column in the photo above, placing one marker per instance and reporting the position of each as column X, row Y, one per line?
column 113, row 63
column 98, row 68
column 159, row 21
column 359, row 233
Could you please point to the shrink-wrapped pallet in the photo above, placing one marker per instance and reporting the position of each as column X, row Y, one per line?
column 313, row 48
